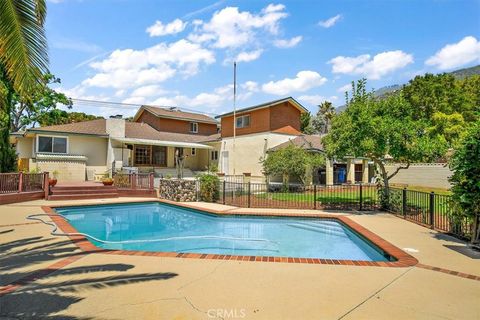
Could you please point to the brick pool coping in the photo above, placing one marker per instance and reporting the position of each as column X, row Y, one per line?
column 403, row 259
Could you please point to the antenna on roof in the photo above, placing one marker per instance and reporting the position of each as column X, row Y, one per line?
column 234, row 111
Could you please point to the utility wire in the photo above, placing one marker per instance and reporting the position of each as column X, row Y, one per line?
column 116, row 105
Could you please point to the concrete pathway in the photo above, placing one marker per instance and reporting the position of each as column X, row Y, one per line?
column 48, row 277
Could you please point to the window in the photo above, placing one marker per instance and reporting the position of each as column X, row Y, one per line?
column 193, row 127
column 194, row 152
column 143, row 155
column 243, row 121
column 52, row 144
column 214, row 155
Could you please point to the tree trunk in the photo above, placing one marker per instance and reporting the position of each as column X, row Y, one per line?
column 476, row 230
column 8, row 156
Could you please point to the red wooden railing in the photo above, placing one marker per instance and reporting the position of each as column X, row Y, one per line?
column 134, row 181
column 23, row 182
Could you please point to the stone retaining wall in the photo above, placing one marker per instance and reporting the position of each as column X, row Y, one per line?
column 178, row 190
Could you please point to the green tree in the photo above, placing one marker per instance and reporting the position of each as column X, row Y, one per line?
column 291, row 161
column 23, row 60
column 465, row 164
column 40, row 106
column 306, row 123
column 327, row 111
column 57, row 116
column 381, row 129
column 444, row 93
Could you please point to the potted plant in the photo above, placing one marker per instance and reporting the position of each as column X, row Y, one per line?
column 107, row 181
column 53, row 181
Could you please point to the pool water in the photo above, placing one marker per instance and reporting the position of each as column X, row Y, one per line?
column 194, row 231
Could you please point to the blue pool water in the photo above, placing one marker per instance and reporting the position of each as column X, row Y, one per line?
column 233, row 235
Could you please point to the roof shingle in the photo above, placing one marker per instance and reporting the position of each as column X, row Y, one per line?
column 177, row 114
column 93, row 127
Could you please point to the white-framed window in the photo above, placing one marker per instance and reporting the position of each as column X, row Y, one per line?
column 193, row 127
column 214, row 155
column 243, row 121
column 193, row 152
column 52, row 144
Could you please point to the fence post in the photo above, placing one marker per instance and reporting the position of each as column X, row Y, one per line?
column 314, row 196
column 152, row 181
column 20, row 182
column 432, row 209
column 249, row 193
column 361, row 197
column 224, row 184
column 46, row 185
column 404, row 203
column 134, row 181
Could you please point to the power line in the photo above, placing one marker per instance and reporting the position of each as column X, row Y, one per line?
column 116, row 105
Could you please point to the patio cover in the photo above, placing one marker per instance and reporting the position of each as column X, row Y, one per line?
column 163, row 143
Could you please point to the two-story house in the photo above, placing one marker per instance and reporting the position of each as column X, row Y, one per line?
column 256, row 129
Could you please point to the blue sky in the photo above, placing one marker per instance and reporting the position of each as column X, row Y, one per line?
column 180, row 53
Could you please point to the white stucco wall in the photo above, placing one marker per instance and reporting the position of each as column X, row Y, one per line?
column 426, row 175
column 248, row 151
column 24, row 147
column 94, row 148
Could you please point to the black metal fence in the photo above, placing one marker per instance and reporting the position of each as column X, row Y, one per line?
column 296, row 196
column 429, row 209
column 436, row 211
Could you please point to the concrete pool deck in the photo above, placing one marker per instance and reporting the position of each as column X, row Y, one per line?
column 70, row 284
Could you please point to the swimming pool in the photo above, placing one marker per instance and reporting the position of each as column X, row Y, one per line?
column 160, row 227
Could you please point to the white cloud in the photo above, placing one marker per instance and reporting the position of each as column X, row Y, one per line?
column 304, row 81
column 316, row 99
column 373, row 68
column 330, row 22
column 160, row 29
column 130, row 68
column 250, row 86
column 345, row 88
column 231, row 28
column 457, row 54
column 287, row 43
column 245, row 56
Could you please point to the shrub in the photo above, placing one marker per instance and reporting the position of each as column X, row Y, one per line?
column 465, row 181
column 209, row 187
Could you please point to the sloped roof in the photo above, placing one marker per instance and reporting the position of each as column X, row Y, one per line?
column 307, row 142
column 174, row 113
column 294, row 102
column 212, row 137
column 92, row 127
column 138, row 130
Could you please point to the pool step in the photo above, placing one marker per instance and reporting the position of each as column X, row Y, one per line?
column 82, row 196
column 321, row 229
column 82, row 192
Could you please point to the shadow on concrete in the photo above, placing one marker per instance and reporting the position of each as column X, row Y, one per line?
column 58, row 290
column 465, row 250
column 446, row 237
column 6, row 231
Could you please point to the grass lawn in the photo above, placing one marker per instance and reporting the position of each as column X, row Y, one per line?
column 426, row 189
column 322, row 196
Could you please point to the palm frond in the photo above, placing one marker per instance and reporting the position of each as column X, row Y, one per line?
column 23, row 44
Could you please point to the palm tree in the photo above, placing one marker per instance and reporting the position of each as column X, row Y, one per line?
column 23, row 60
column 327, row 110
column 23, row 44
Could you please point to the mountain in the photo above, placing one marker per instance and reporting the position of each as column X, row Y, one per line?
column 459, row 74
